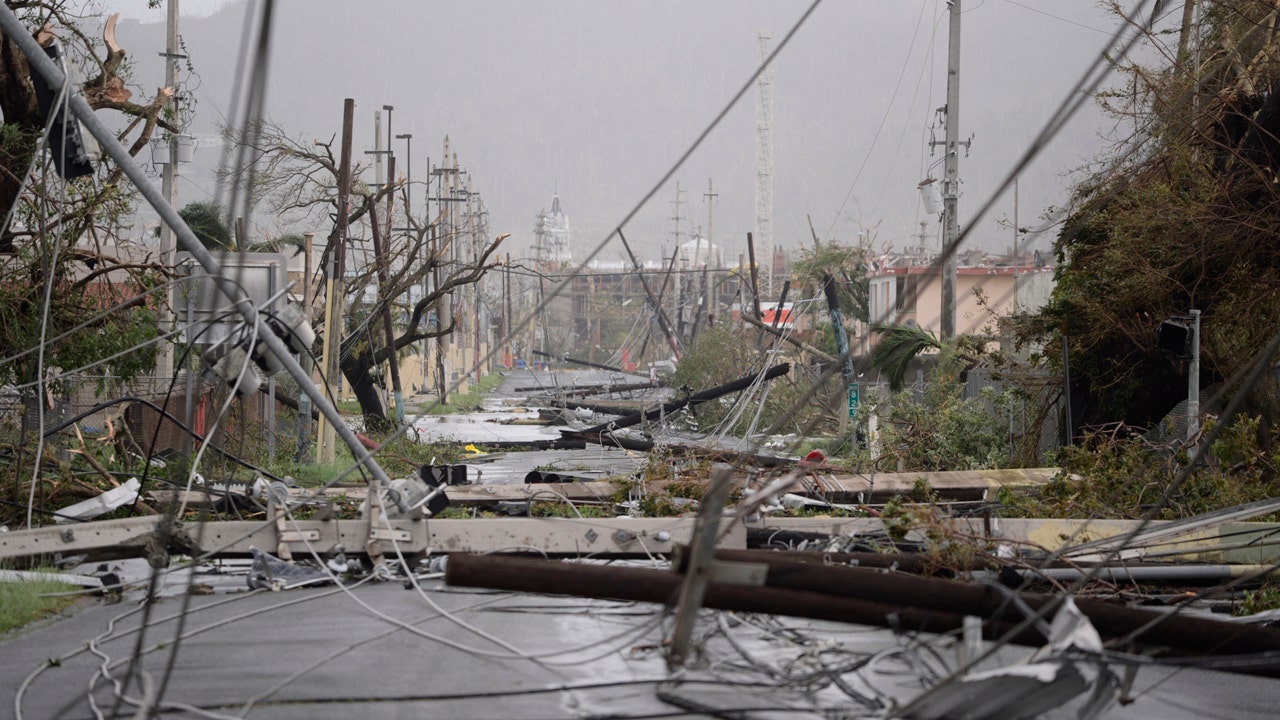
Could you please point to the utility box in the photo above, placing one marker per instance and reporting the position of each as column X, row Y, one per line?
column 205, row 311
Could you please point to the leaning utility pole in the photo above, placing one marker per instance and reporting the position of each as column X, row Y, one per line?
column 334, row 303
column 950, row 182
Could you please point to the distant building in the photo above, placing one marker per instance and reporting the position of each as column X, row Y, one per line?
column 699, row 253
column 905, row 293
column 552, row 235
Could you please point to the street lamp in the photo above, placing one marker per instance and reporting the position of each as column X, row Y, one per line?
column 389, row 108
column 408, row 151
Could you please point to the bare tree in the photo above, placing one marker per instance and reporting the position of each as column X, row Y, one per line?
column 297, row 181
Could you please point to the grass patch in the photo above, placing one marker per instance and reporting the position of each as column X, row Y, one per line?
column 349, row 407
column 463, row 401
column 21, row 602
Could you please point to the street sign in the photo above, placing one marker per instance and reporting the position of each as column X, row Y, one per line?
column 853, row 400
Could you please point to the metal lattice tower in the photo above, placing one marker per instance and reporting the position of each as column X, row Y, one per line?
column 764, row 156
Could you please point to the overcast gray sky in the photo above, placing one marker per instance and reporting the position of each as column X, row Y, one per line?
column 596, row 99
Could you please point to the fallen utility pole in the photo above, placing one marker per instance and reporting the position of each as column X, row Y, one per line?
column 602, row 408
column 693, row 400
column 677, row 448
column 663, row 323
column 787, row 337
column 869, row 597
column 576, row 361
column 141, row 536
column 506, row 572
column 913, row 563
column 1183, row 634
column 591, row 389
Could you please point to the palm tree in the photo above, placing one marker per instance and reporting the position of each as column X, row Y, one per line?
column 296, row 241
column 899, row 345
column 206, row 220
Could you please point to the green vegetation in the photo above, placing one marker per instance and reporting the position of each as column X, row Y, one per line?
column 1186, row 217
column 21, row 602
column 725, row 353
column 942, row 430
column 1266, row 597
column 1108, row 475
column 464, row 401
column 207, row 220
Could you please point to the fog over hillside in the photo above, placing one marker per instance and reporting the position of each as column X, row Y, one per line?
column 596, row 100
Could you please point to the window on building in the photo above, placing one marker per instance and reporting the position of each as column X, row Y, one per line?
column 907, row 288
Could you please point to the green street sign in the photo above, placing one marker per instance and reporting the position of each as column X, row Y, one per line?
column 853, row 400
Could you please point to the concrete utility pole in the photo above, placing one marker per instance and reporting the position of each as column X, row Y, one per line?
column 951, row 182
column 384, row 299
column 679, row 279
column 303, row 451
column 169, row 187
column 711, row 196
column 1193, row 381
column 475, row 287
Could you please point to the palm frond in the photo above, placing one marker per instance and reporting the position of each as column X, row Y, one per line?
column 899, row 344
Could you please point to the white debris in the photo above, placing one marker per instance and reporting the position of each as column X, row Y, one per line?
column 101, row 505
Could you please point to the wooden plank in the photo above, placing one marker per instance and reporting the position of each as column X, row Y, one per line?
column 949, row 485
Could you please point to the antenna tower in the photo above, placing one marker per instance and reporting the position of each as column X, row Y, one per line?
column 764, row 154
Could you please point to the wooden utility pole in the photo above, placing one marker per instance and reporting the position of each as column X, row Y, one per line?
column 755, row 277
column 335, row 309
